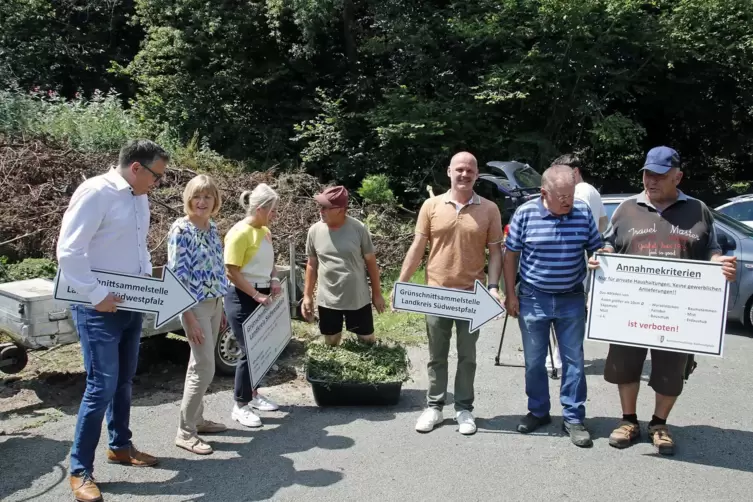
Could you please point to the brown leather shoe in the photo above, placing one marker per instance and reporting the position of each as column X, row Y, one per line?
column 131, row 456
column 624, row 435
column 84, row 489
column 662, row 439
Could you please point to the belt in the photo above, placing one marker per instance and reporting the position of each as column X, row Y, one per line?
column 258, row 285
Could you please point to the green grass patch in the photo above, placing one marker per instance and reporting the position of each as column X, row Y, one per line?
column 357, row 362
column 400, row 327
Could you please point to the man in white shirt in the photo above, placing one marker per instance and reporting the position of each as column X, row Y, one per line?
column 584, row 191
column 105, row 228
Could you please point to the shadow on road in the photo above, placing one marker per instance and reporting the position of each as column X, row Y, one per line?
column 262, row 467
column 24, row 458
column 737, row 329
column 159, row 379
column 695, row 444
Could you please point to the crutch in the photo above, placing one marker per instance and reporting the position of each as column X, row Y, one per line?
column 502, row 339
column 551, row 354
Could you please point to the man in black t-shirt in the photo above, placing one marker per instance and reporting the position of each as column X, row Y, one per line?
column 660, row 221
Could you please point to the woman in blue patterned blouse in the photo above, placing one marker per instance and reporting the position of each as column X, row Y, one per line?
column 195, row 255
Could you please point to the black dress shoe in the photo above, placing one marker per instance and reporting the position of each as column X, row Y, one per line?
column 531, row 422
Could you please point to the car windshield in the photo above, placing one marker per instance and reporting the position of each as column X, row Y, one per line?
column 527, row 177
column 737, row 226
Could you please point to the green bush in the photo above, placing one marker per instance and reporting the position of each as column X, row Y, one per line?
column 3, row 269
column 30, row 268
column 100, row 124
column 375, row 189
column 97, row 124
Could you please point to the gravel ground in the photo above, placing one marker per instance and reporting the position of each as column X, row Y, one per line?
column 305, row 452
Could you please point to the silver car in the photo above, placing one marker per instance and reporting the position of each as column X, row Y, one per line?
column 739, row 208
column 736, row 239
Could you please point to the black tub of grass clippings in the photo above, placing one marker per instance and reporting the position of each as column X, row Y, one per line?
column 355, row 374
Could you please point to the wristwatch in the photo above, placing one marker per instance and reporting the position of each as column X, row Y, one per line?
column 492, row 286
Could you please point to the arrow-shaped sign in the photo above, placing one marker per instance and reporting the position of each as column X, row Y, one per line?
column 167, row 297
column 477, row 306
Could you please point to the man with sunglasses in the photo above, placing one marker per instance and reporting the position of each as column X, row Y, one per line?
column 105, row 228
column 548, row 238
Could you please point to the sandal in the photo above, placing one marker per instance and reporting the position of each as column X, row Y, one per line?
column 194, row 445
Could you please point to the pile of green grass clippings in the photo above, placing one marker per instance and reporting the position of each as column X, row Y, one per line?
column 356, row 362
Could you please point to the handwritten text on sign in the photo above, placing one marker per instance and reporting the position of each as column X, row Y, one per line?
column 267, row 332
column 665, row 303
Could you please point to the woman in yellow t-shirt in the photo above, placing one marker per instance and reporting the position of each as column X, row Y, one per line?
column 250, row 266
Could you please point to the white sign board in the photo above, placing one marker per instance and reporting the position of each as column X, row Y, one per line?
column 663, row 303
column 477, row 306
column 167, row 297
column 267, row 332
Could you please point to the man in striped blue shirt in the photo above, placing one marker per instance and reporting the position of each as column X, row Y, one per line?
column 547, row 239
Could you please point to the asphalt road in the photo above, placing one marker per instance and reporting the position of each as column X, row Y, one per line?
column 308, row 453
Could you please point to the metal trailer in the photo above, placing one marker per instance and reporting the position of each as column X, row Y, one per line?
column 35, row 320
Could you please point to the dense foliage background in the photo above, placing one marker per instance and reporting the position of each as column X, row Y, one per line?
column 348, row 88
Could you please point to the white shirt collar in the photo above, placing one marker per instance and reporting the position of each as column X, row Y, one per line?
column 118, row 180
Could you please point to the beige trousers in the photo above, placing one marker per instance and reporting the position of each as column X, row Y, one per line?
column 200, row 366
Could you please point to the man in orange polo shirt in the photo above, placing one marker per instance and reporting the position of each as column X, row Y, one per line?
column 458, row 226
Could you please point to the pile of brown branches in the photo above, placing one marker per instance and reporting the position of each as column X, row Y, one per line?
column 37, row 181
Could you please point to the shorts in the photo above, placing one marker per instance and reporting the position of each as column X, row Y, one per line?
column 360, row 322
column 625, row 365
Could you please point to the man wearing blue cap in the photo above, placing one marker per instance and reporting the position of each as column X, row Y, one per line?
column 647, row 224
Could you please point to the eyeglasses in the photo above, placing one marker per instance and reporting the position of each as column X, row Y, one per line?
column 561, row 198
column 157, row 176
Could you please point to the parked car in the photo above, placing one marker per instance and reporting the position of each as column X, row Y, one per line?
column 508, row 184
column 739, row 208
column 736, row 239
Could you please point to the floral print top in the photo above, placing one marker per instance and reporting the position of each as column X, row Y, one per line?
column 196, row 258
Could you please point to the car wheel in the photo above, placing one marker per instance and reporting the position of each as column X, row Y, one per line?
column 227, row 352
column 748, row 317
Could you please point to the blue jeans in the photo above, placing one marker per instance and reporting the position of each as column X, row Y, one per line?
column 110, row 347
column 566, row 311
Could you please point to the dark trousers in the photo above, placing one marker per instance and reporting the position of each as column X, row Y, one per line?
column 238, row 306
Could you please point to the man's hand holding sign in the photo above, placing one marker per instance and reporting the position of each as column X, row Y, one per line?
column 664, row 243
column 459, row 227
column 478, row 306
column 673, row 304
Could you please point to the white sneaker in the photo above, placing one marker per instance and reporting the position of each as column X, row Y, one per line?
column 430, row 418
column 557, row 360
column 245, row 416
column 466, row 423
column 262, row 403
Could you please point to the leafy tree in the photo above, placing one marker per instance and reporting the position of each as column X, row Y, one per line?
column 66, row 45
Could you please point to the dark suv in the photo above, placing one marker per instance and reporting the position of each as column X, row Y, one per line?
column 508, row 184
